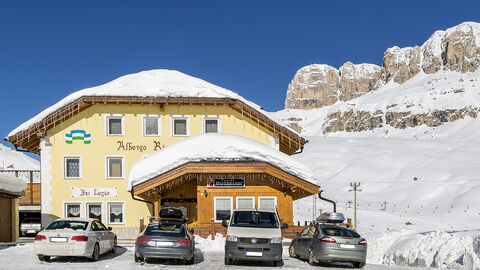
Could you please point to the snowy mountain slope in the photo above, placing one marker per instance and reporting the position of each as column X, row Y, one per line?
column 14, row 160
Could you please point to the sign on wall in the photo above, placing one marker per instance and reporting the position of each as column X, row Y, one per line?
column 226, row 183
column 77, row 134
column 94, row 192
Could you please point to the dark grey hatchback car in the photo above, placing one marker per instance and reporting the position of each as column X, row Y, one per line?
column 329, row 243
column 165, row 238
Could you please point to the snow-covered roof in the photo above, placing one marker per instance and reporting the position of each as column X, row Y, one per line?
column 12, row 184
column 217, row 147
column 151, row 83
column 15, row 160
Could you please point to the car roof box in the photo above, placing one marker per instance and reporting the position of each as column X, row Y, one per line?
column 331, row 217
column 171, row 212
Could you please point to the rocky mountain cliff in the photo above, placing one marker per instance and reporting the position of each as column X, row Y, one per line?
column 429, row 85
column 456, row 49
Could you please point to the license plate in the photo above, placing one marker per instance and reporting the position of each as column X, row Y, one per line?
column 253, row 254
column 58, row 239
column 163, row 244
column 31, row 231
column 346, row 246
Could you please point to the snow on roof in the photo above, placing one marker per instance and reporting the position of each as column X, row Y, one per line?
column 216, row 146
column 12, row 184
column 10, row 159
column 151, row 83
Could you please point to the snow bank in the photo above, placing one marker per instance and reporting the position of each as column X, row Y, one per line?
column 213, row 147
column 431, row 249
column 12, row 184
column 209, row 245
column 151, row 83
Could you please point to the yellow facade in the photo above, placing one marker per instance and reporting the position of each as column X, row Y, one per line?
column 57, row 190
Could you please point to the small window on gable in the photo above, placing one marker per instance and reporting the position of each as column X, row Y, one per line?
column 211, row 124
column 114, row 125
column 151, row 126
column 72, row 167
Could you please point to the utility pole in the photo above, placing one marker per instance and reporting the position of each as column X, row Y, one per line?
column 354, row 187
column 314, row 207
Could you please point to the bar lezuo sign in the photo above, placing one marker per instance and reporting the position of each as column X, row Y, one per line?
column 226, row 183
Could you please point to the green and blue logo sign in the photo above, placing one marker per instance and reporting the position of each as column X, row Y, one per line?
column 77, row 134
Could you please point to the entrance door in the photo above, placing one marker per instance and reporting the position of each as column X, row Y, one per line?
column 5, row 220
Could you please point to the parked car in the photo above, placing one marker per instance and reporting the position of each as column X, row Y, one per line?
column 166, row 237
column 323, row 242
column 30, row 226
column 254, row 235
column 75, row 237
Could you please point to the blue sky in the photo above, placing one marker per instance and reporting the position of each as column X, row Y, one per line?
column 49, row 49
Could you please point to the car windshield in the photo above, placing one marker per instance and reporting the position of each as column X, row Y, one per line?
column 337, row 231
column 257, row 219
column 68, row 224
column 166, row 228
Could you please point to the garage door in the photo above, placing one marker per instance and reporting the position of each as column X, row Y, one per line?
column 5, row 219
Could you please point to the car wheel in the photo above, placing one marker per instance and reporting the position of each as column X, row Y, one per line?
column 95, row 253
column 228, row 261
column 138, row 259
column 190, row 262
column 311, row 258
column 278, row 263
column 114, row 248
column 358, row 264
column 291, row 251
column 44, row 258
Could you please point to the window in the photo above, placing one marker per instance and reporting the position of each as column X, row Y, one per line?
column 222, row 208
column 95, row 210
column 180, row 126
column 211, row 124
column 151, row 126
column 114, row 125
column 245, row 202
column 116, row 213
column 267, row 203
column 72, row 167
column 72, row 210
column 115, row 167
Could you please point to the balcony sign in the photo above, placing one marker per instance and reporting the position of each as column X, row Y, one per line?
column 94, row 192
column 226, row 183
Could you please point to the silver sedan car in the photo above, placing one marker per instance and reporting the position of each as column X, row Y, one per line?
column 329, row 243
column 75, row 237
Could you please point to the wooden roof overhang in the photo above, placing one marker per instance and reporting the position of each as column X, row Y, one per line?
column 298, row 187
column 28, row 139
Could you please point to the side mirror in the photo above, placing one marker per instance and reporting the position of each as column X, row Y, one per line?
column 284, row 226
column 109, row 228
column 297, row 234
column 224, row 223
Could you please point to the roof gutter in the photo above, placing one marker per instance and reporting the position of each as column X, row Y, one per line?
column 301, row 149
column 330, row 201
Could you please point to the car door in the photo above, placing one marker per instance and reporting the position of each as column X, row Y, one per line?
column 100, row 233
column 109, row 237
column 303, row 241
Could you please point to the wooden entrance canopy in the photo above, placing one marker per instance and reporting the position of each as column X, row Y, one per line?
column 298, row 187
column 28, row 139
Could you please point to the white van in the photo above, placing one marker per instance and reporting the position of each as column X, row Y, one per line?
column 254, row 234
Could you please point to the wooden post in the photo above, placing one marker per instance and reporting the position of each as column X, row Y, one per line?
column 142, row 225
column 212, row 229
column 31, row 187
column 156, row 206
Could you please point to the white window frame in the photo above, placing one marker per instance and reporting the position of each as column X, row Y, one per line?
column 266, row 197
column 215, row 206
column 107, row 168
column 211, row 117
column 114, row 116
column 124, row 212
column 159, row 121
column 64, row 207
column 64, row 163
column 172, row 126
column 87, row 203
column 245, row 197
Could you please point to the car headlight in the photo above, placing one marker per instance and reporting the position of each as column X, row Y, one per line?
column 232, row 238
column 276, row 240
